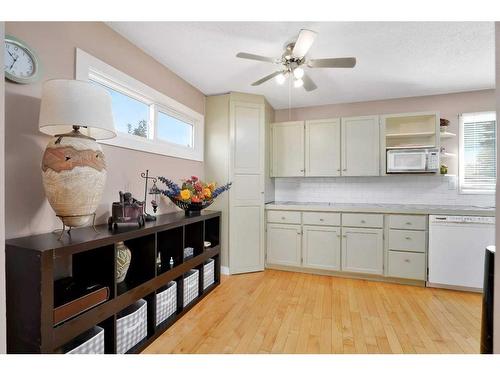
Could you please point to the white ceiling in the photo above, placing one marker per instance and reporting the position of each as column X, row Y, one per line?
column 393, row 59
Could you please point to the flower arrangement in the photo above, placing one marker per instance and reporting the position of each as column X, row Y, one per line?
column 194, row 194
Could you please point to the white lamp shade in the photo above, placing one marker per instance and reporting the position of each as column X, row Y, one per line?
column 66, row 103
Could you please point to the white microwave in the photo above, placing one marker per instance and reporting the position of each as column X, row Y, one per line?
column 413, row 160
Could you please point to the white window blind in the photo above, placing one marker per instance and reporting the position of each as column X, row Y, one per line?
column 478, row 152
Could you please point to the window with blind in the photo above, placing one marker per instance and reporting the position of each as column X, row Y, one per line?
column 478, row 152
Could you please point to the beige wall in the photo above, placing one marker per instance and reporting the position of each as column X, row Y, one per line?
column 449, row 105
column 2, row 213
column 496, row 323
column 26, row 208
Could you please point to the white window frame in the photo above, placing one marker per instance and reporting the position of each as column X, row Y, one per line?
column 461, row 166
column 90, row 68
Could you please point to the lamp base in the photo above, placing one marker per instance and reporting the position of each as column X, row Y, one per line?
column 74, row 176
column 65, row 219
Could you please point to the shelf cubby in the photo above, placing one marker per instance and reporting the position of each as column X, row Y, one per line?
column 170, row 245
column 411, row 130
column 90, row 257
column 193, row 237
column 212, row 231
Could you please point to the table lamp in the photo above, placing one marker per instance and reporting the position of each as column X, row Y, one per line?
column 76, row 113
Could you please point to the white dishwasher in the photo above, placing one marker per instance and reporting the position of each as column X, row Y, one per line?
column 456, row 250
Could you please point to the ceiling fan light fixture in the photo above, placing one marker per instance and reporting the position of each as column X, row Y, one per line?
column 280, row 79
column 298, row 73
column 298, row 83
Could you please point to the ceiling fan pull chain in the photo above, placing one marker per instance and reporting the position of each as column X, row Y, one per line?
column 289, row 99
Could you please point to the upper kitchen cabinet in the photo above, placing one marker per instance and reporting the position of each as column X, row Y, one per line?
column 236, row 128
column 322, row 148
column 287, row 149
column 408, row 130
column 360, row 146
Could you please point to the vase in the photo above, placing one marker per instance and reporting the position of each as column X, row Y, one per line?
column 123, row 258
column 74, row 175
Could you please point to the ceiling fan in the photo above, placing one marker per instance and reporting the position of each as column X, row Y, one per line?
column 294, row 57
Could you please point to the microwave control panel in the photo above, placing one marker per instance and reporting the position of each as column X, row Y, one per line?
column 433, row 161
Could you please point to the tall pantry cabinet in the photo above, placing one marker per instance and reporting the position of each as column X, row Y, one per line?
column 236, row 144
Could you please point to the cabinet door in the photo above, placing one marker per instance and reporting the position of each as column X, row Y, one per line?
column 322, row 146
column 246, row 197
column 362, row 250
column 283, row 244
column 321, row 247
column 287, row 149
column 360, row 146
column 246, row 239
column 247, row 137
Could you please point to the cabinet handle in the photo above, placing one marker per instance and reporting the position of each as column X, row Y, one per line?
column 338, row 235
column 408, row 238
column 345, row 169
column 338, row 170
column 321, row 219
column 408, row 223
column 407, row 260
column 345, row 236
column 283, row 218
column 302, row 170
column 363, row 221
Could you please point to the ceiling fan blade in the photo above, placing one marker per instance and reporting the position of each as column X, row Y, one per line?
column 309, row 84
column 304, row 42
column 343, row 62
column 266, row 78
column 251, row 56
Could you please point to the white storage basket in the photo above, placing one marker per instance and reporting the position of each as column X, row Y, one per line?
column 191, row 286
column 131, row 326
column 166, row 302
column 90, row 342
column 208, row 273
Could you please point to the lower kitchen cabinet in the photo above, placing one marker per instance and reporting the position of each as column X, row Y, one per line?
column 321, row 247
column 406, row 265
column 284, row 244
column 363, row 250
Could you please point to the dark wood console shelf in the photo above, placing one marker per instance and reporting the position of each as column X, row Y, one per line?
column 34, row 263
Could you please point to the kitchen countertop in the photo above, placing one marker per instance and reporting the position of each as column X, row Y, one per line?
column 427, row 209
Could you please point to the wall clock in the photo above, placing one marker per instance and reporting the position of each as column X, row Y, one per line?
column 21, row 64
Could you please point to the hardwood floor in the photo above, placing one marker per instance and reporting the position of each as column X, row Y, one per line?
column 288, row 312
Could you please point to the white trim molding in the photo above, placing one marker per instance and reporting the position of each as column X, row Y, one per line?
column 224, row 270
column 3, row 329
column 89, row 67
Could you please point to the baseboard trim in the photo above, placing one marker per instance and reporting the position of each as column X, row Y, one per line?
column 455, row 287
column 224, row 270
column 348, row 275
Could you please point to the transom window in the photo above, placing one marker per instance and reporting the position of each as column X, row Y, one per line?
column 478, row 144
column 175, row 130
column 145, row 119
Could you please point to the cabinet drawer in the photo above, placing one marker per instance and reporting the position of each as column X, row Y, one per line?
column 406, row 265
column 363, row 220
column 288, row 217
column 416, row 222
column 407, row 240
column 321, row 218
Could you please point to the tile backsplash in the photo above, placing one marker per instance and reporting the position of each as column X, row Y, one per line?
column 386, row 189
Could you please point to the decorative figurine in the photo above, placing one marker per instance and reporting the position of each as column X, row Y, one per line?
column 128, row 210
column 158, row 262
